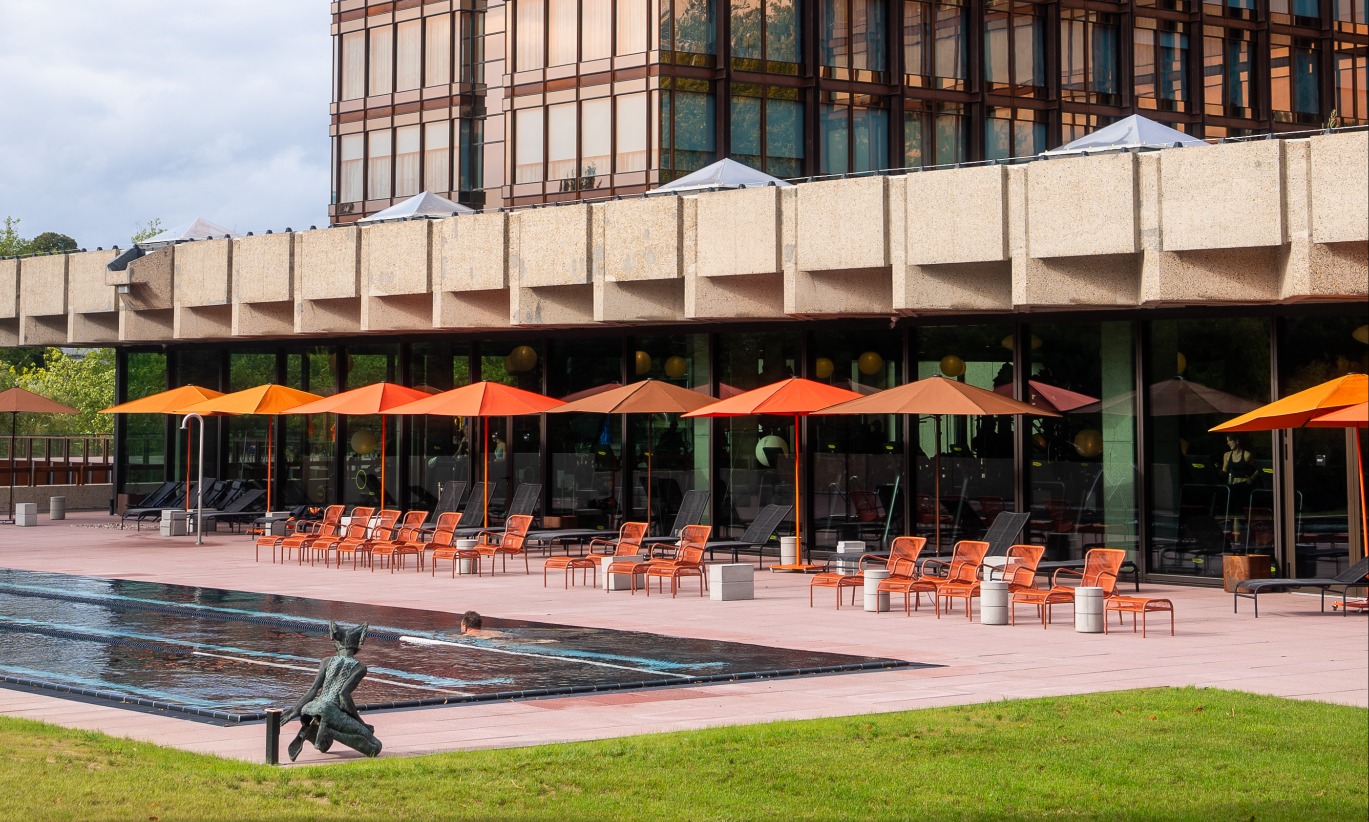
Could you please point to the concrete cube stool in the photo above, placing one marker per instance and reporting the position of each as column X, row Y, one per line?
column 729, row 581
column 26, row 514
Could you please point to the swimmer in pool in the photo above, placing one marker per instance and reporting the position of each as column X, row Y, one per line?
column 473, row 625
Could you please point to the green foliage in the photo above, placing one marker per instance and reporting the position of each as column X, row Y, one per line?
column 50, row 241
column 1149, row 754
column 147, row 230
column 11, row 244
column 84, row 381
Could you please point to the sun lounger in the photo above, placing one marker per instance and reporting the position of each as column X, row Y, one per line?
column 758, row 534
column 1356, row 576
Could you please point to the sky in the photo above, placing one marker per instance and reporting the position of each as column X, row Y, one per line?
column 113, row 113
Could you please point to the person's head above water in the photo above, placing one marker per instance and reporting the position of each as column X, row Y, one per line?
column 471, row 621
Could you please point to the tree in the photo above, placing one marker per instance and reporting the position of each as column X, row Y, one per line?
column 84, row 380
column 11, row 244
column 49, row 242
column 147, row 230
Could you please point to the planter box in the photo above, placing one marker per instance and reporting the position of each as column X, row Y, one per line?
column 1238, row 567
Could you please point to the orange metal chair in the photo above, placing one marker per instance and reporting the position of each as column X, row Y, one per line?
column 407, row 541
column 1019, row 572
column 382, row 528
column 966, row 559
column 356, row 527
column 901, row 561
column 1101, row 566
column 689, row 563
column 628, row 543
column 304, row 534
column 443, row 543
column 508, row 543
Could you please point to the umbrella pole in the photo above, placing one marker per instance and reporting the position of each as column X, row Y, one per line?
column 650, row 446
column 270, row 427
column 14, row 423
column 382, row 461
column 798, row 494
column 936, row 486
column 1363, row 519
column 189, row 441
column 485, row 523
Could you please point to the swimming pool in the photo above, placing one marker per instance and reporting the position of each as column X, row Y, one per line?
column 230, row 655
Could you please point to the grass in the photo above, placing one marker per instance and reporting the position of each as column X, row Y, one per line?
column 1147, row 754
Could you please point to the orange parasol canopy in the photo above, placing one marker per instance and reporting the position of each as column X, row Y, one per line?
column 481, row 399
column 368, row 399
column 794, row 397
column 165, row 402
column 1050, row 397
column 267, row 399
column 935, row 396
column 1351, row 416
column 1299, row 409
column 263, row 399
column 645, row 397
column 18, row 400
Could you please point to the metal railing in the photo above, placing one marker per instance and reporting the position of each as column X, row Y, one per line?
column 53, row 460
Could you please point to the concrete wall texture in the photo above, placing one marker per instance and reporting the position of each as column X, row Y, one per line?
column 1267, row 222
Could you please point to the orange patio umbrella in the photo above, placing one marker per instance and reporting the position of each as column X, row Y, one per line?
column 169, row 402
column 364, row 401
column 794, row 397
column 481, row 399
column 938, row 396
column 266, row 399
column 1336, row 403
column 645, row 397
column 16, row 400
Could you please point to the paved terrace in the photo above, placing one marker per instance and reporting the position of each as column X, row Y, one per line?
column 1291, row 651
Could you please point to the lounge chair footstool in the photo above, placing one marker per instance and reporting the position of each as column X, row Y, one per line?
column 1138, row 605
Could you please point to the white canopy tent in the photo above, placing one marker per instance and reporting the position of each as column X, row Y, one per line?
column 199, row 229
column 724, row 174
column 418, row 207
column 1128, row 133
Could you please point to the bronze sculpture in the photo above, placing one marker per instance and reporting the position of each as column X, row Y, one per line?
column 327, row 713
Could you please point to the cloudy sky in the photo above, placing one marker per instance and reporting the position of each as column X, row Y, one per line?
column 115, row 112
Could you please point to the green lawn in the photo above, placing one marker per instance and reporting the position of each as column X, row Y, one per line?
column 1149, row 754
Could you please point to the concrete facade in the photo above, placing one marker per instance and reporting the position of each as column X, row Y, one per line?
column 1276, row 221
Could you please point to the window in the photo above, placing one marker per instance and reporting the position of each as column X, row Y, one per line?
column 767, row 129
column 437, row 157
column 633, row 25
column 437, row 57
column 1294, row 79
column 406, row 161
column 1010, row 132
column 354, row 65
column 382, row 61
column 1014, row 48
column 562, row 26
column 596, row 29
column 596, row 141
column 764, row 31
column 854, row 38
column 631, row 129
column 1088, row 57
column 933, row 134
column 378, row 166
column 935, row 53
column 1227, row 65
column 693, row 26
column 1352, row 83
column 353, row 155
column 529, row 35
column 528, row 146
column 1161, row 57
column 689, row 127
column 854, row 135
column 408, row 55
column 561, row 142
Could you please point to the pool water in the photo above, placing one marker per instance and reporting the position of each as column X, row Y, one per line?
column 230, row 655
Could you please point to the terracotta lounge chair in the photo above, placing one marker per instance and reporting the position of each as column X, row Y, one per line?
column 302, row 532
column 382, row 529
column 443, row 543
column 358, row 523
column 509, row 543
column 407, row 541
column 966, row 559
column 1101, row 567
column 1019, row 572
column 628, row 543
column 901, row 561
column 689, row 563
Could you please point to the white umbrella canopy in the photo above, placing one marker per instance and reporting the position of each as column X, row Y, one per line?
column 1129, row 132
column 724, row 174
column 197, row 229
column 420, row 206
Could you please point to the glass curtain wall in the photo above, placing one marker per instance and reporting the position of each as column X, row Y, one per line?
column 972, row 465
column 202, row 367
column 754, row 455
column 1209, row 493
column 515, row 443
column 587, row 457
column 678, row 447
column 857, row 479
column 249, row 451
column 309, row 449
column 439, row 447
column 1323, row 484
column 360, row 437
column 1081, row 466
column 143, row 445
